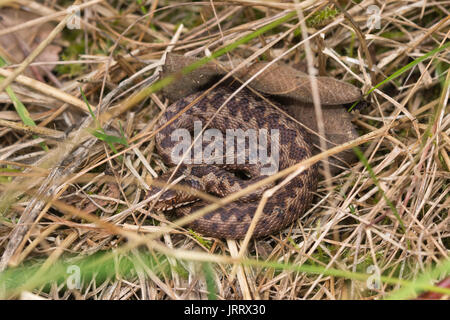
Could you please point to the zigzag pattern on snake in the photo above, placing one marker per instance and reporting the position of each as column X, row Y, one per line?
column 244, row 111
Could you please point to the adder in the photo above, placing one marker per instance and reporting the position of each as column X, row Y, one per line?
column 244, row 111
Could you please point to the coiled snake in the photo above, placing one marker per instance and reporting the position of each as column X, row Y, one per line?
column 244, row 111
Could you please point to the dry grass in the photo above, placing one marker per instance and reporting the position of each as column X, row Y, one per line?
column 80, row 198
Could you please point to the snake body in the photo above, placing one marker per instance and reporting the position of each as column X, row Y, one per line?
column 244, row 111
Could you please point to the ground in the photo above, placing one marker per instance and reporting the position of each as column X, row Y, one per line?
column 79, row 99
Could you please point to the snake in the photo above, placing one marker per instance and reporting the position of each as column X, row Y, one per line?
column 222, row 110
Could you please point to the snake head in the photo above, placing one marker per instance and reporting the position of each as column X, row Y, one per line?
column 168, row 199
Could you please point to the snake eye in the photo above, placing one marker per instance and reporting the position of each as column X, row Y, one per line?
column 242, row 174
column 278, row 211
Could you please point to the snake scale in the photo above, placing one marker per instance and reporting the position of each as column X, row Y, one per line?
column 244, row 111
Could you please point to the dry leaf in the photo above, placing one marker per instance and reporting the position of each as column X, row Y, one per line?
column 18, row 45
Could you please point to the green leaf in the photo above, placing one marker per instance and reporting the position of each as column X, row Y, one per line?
column 209, row 278
column 20, row 108
column 100, row 134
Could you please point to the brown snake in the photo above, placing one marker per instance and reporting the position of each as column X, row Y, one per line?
column 244, row 111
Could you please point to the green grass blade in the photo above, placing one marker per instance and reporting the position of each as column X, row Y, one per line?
column 209, row 277
column 409, row 66
column 100, row 134
column 104, row 265
column 89, row 107
column 20, row 107
column 404, row 69
column 158, row 85
column 409, row 290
